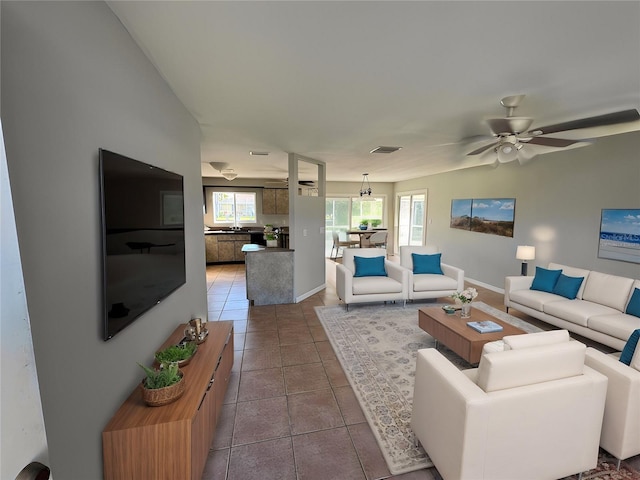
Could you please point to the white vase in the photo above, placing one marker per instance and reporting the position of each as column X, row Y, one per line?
column 272, row 243
column 466, row 310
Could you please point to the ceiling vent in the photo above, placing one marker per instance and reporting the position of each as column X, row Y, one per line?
column 258, row 153
column 385, row 149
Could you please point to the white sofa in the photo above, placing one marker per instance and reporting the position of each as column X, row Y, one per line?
column 597, row 312
column 429, row 285
column 528, row 413
column 351, row 289
column 621, row 425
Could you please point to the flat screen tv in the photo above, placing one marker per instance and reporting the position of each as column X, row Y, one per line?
column 143, row 246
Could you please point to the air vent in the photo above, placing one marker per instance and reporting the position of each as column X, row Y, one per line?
column 385, row 149
column 259, row 153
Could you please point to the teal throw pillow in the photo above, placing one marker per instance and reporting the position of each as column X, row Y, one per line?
column 369, row 266
column 634, row 304
column 630, row 347
column 568, row 286
column 545, row 280
column 427, row 263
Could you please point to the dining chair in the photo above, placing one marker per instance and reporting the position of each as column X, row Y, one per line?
column 337, row 244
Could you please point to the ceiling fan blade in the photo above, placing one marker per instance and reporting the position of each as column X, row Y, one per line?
column 552, row 142
column 480, row 150
column 622, row 116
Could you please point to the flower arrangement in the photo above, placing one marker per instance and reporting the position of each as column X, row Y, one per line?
column 466, row 296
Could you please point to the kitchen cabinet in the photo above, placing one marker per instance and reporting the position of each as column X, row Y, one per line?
column 229, row 246
column 211, row 248
column 275, row 201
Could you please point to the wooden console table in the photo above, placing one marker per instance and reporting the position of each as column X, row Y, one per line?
column 172, row 442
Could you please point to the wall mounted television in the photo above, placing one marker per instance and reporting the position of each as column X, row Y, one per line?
column 143, row 238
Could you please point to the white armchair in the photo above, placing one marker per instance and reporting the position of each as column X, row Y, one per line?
column 530, row 413
column 621, row 425
column 351, row 289
column 429, row 285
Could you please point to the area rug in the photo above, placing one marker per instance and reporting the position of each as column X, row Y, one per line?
column 377, row 346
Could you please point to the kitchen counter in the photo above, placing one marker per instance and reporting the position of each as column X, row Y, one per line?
column 269, row 276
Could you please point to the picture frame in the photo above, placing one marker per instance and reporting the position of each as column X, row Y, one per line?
column 619, row 237
column 494, row 216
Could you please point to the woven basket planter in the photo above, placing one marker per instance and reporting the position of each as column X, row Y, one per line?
column 158, row 397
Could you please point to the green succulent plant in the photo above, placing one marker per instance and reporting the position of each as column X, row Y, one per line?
column 176, row 353
column 166, row 376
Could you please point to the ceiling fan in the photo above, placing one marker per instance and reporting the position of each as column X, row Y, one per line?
column 285, row 183
column 515, row 138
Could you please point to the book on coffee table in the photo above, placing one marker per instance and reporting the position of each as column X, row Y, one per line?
column 485, row 326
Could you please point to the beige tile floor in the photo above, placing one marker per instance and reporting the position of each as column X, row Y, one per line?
column 289, row 412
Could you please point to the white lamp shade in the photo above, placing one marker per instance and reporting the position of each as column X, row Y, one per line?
column 525, row 252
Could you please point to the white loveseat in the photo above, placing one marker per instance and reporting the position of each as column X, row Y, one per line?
column 621, row 424
column 597, row 312
column 354, row 289
column 430, row 285
column 528, row 413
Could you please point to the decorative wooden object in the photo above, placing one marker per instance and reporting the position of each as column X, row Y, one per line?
column 172, row 442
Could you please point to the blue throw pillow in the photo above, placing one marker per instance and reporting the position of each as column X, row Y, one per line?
column 568, row 286
column 630, row 347
column 369, row 266
column 427, row 263
column 545, row 280
column 634, row 304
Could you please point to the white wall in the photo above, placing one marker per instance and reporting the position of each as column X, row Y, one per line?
column 559, row 198
column 74, row 81
column 23, row 438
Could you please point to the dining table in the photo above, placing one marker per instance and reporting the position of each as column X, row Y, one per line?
column 365, row 235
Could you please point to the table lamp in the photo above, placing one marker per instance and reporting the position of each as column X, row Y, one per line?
column 525, row 253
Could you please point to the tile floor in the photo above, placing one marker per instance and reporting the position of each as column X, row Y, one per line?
column 289, row 412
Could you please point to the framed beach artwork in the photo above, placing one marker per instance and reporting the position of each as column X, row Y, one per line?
column 620, row 235
column 495, row 216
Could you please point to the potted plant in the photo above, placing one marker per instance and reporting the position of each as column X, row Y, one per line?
column 364, row 224
column 162, row 386
column 376, row 222
column 272, row 239
column 180, row 354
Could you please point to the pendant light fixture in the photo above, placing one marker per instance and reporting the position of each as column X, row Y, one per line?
column 365, row 191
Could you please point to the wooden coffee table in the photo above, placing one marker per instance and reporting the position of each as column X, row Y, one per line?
column 453, row 331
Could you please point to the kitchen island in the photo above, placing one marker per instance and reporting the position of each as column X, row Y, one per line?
column 269, row 274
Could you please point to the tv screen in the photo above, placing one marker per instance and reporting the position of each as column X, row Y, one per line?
column 142, row 237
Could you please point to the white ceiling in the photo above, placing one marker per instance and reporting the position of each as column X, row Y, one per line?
column 332, row 80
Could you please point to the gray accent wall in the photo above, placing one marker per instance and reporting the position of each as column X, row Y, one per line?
column 74, row 81
column 559, row 198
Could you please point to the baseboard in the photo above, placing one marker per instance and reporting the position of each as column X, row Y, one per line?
column 484, row 285
column 311, row 292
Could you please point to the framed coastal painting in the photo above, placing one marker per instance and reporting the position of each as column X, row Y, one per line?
column 620, row 234
column 495, row 216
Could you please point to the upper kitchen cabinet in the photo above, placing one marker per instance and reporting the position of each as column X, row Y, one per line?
column 275, row 201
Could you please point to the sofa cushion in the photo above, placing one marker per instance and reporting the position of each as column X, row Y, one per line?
column 630, row 347
column 609, row 290
column 618, row 325
column 426, row 263
column 515, row 342
column 545, row 279
column 635, row 360
column 429, row 282
column 526, row 366
column 369, row 267
column 567, row 286
column 375, row 285
column 633, row 307
column 533, row 298
column 572, row 272
column 576, row 311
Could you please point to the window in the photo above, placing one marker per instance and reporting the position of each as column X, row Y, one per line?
column 234, row 207
column 346, row 213
column 411, row 216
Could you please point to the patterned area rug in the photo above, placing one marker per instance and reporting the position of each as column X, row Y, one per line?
column 377, row 345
